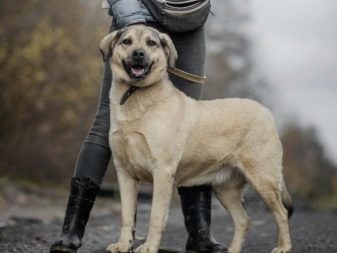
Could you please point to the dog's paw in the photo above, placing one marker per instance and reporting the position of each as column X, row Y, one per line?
column 233, row 250
column 118, row 248
column 146, row 248
column 282, row 250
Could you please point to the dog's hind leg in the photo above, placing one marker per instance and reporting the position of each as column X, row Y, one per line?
column 270, row 190
column 128, row 187
column 230, row 198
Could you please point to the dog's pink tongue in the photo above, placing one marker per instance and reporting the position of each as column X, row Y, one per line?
column 137, row 71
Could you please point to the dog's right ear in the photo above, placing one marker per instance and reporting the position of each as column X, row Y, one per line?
column 108, row 42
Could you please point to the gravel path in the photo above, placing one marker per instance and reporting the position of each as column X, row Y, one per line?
column 311, row 231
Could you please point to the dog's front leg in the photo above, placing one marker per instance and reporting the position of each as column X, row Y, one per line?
column 162, row 190
column 128, row 187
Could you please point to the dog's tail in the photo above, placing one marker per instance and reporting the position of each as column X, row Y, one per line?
column 286, row 200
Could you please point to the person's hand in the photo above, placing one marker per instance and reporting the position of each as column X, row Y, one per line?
column 126, row 13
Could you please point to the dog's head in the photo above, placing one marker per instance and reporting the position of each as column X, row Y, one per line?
column 139, row 55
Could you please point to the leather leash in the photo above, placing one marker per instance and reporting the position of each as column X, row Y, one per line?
column 186, row 75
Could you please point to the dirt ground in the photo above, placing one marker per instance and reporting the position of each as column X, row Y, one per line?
column 32, row 228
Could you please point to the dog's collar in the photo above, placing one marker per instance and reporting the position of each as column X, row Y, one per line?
column 174, row 71
column 127, row 94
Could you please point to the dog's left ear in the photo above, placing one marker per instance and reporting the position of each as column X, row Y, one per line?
column 170, row 50
column 108, row 42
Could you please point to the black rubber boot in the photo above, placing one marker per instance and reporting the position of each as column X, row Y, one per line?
column 196, row 206
column 81, row 200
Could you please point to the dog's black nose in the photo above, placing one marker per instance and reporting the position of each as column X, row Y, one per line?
column 138, row 54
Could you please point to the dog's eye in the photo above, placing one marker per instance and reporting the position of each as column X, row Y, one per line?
column 151, row 43
column 127, row 41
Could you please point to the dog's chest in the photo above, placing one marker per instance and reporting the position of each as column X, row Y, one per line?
column 132, row 150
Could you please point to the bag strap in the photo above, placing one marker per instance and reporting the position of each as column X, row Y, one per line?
column 187, row 76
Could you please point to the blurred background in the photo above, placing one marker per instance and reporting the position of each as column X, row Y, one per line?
column 282, row 53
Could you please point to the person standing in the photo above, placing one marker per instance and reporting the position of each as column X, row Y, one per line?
column 95, row 153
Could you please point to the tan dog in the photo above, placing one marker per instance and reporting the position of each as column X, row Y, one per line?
column 160, row 135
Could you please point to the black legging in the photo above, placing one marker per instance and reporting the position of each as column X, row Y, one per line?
column 95, row 153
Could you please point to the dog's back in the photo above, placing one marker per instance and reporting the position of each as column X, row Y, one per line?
column 227, row 133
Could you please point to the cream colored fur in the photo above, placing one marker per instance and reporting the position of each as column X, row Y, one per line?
column 162, row 136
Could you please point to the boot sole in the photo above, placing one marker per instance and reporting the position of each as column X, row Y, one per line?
column 62, row 249
column 168, row 250
column 218, row 251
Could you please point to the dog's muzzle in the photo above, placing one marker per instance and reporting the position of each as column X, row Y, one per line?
column 137, row 66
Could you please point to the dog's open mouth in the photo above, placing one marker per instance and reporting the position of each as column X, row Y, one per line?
column 137, row 71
